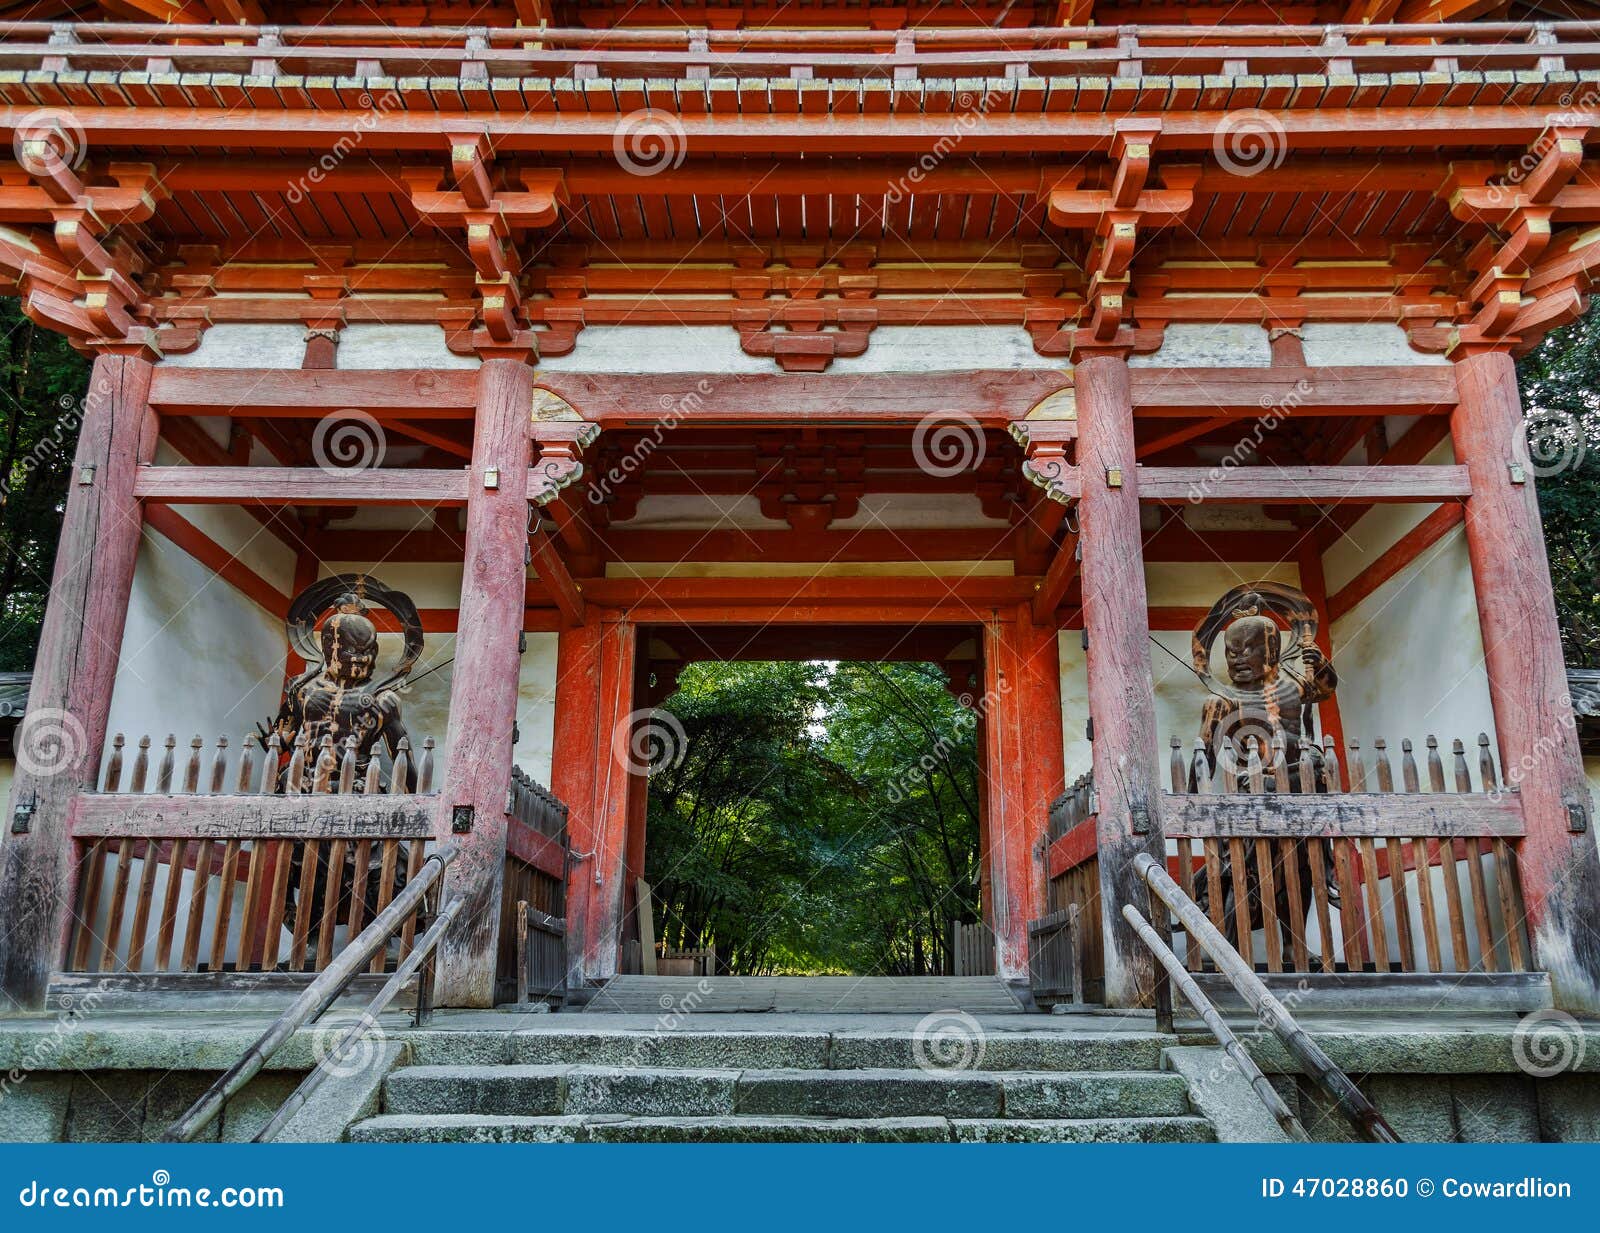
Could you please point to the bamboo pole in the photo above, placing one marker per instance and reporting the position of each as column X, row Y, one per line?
column 313, row 1000
column 1268, row 1009
column 1185, row 983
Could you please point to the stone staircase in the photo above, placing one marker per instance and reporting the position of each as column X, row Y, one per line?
column 810, row 995
column 574, row 1078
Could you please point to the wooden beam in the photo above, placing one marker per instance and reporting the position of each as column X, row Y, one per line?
column 1304, row 485
column 1057, row 578
column 1559, row 862
column 1444, row 815
column 553, row 573
column 409, row 394
column 483, row 681
column 61, row 738
column 1252, row 393
column 299, row 486
column 114, row 815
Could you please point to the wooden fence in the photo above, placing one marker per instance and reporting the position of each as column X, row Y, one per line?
column 533, row 903
column 1055, row 970
column 971, row 949
column 276, row 874
column 1074, row 872
column 1365, row 880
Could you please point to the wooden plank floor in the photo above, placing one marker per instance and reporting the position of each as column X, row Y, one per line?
column 868, row 995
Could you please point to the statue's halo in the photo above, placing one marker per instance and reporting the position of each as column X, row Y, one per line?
column 322, row 597
column 1288, row 606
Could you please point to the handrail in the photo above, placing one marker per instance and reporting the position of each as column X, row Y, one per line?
column 364, row 1023
column 1268, row 1094
column 320, row 994
column 1269, row 1011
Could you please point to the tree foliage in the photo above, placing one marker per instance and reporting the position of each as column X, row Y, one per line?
column 821, row 818
column 1561, row 393
column 42, row 384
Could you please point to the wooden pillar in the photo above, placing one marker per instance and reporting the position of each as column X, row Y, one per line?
column 73, row 674
column 483, row 686
column 1024, row 773
column 1121, row 690
column 1559, row 859
column 590, row 773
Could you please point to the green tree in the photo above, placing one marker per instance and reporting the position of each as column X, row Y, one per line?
column 42, row 384
column 1561, row 394
column 819, row 818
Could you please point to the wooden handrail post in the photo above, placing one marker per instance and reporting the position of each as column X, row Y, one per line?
column 1558, row 859
column 74, row 672
column 1121, row 691
column 483, row 685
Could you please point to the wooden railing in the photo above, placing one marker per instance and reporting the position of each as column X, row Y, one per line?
column 534, row 897
column 971, row 949
column 481, row 55
column 1364, row 880
column 1055, row 967
column 274, row 875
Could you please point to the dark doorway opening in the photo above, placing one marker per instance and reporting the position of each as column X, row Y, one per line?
column 820, row 809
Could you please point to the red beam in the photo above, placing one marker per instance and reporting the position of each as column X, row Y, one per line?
column 1400, row 554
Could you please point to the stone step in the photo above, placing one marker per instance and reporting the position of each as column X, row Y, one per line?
column 531, row 1091
column 600, row 1128
column 988, row 1046
column 819, row 995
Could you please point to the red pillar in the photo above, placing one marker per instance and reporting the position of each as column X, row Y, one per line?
column 590, row 773
column 1121, row 691
column 1024, row 772
column 74, row 672
column 483, row 686
column 1559, row 859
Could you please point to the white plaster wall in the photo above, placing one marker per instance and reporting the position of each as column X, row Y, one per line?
column 536, row 706
column 715, row 348
column 1206, row 344
column 374, row 345
column 1361, row 342
column 1410, row 655
column 197, row 657
column 237, row 345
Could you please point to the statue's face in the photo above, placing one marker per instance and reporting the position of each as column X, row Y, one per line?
column 349, row 648
column 1245, row 646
